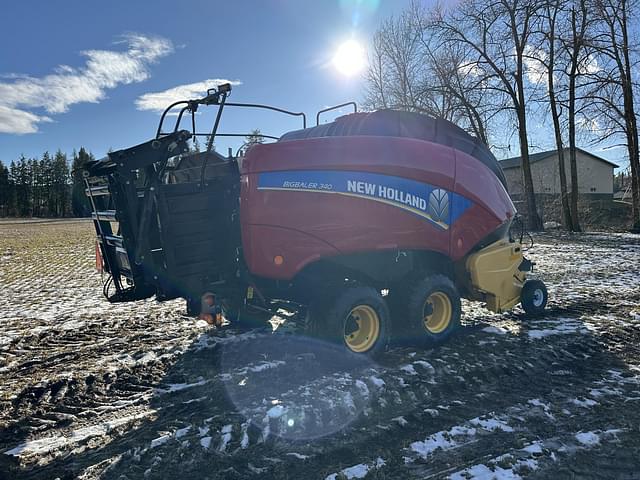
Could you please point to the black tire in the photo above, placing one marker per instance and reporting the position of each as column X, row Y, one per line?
column 433, row 310
column 533, row 297
column 246, row 317
column 401, row 333
column 194, row 306
column 336, row 317
column 231, row 310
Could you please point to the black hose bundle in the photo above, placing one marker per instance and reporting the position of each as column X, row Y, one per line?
column 523, row 232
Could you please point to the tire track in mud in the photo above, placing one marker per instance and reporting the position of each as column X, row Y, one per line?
column 410, row 384
column 450, row 393
column 131, row 390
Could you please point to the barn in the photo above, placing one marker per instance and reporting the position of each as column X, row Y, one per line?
column 595, row 174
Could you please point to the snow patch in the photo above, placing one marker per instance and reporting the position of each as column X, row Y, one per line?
column 276, row 412
column 48, row 444
column 400, row 420
column 378, row 382
column 425, row 365
column 297, row 455
column 482, row 472
column 266, row 366
column 156, row 442
column 364, row 390
column 495, row 330
column 588, row 438
column 560, row 327
column 534, row 448
column 442, row 440
column 409, row 369
column 176, row 387
column 226, row 437
column 357, row 471
column 586, row 403
column 491, row 424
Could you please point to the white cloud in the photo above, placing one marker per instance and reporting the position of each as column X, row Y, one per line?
column 13, row 120
column 158, row 101
column 589, row 65
column 591, row 125
column 56, row 92
column 534, row 61
column 470, row 68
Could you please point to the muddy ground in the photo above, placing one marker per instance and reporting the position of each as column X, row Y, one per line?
column 89, row 389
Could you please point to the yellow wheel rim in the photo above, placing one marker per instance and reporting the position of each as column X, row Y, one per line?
column 361, row 328
column 436, row 313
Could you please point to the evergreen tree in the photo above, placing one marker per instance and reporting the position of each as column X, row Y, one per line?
column 254, row 138
column 60, row 185
column 12, row 210
column 80, row 205
column 43, row 186
column 20, row 174
column 32, row 179
column 5, row 190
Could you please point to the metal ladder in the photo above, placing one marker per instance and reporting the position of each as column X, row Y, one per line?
column 96, row 187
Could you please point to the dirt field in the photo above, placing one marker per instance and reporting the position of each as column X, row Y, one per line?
column 89, row 389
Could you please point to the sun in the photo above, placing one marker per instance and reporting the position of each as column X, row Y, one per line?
column 350, row 58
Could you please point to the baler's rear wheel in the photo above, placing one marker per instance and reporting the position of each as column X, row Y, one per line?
column 356, row 317
column 437, row 312
column 361, row 328
column 433, row 309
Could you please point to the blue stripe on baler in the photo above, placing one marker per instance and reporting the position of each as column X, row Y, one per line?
column 438, row 205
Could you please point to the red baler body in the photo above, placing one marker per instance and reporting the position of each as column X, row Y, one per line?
column 287, row 212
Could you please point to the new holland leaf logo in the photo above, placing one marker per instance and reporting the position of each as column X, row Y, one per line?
column 439, row 205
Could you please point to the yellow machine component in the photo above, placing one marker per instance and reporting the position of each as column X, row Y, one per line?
column 367, row 331
column 437, row 312
column 495, row 276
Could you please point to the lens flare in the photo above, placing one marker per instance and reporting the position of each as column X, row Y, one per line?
column 350, row 58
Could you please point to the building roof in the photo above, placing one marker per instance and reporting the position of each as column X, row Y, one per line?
column 514, row 162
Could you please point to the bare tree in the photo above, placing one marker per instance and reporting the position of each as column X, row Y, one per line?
column 498, row 31
column 377, row 77
column 550, row 21
column 472, row 64
column 397, row 70
column 455, row 78
column 613, row 95
column 575, row 47
column 410, row 70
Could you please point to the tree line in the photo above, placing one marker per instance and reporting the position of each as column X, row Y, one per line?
column 506, row 69
column 45, row 186
column 49, row 187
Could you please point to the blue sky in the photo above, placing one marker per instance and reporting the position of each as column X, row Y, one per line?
column 73, row 72
column 82, row 73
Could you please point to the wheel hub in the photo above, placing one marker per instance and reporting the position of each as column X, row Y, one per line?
column 538, row 297
column 437, row 312
column 361, row 328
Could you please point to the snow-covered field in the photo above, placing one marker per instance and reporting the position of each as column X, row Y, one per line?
column 89, row 389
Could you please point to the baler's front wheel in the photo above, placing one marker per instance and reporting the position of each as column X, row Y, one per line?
column 356, row 317
column 533, row 297
column 433, row 309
